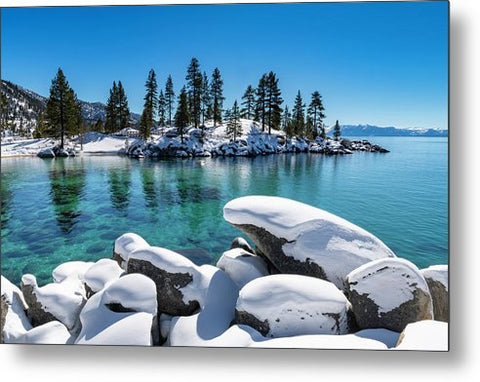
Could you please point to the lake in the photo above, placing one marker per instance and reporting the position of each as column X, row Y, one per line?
column 74, row 208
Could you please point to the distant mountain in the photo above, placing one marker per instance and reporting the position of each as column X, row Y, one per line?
column 24, row 106
column 390, row 131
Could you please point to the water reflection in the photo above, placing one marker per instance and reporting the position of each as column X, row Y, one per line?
column 148, row 184
column 6, row 196
column 120, row 181
column 67, row 183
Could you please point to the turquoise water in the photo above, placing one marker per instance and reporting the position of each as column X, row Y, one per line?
column 74, row 208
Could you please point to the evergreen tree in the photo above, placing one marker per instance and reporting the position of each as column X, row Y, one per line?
column 286, row 117
column 150, row 105
column 169, row 99
column 206, row 100
column 123, row 111
column 61, row 111
column 248, row 103
column 182, row 117
column 260, row 101
column 315, row 111
column 41, row 128
column 161, row 109
column 298, row 116
column 194, row 86
column 337, row 131
column 273, row 100
column 99, row 127
column 4, row 112
column 234, row 126
column 216, row 91
column 111, row 109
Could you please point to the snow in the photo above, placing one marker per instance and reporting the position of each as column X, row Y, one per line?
column 97, row 143
column 242, row 266
column 24, row 147
column 315, row 235
column 63, row 300
column 102, row 326
column 295, row 305
column 438, row 273
column 50, row 333
column 102, row 272
column 217, row 311
column 427, row 335
column 71, row 269
column 16, row 321
column 126, row 244
column 377, row 277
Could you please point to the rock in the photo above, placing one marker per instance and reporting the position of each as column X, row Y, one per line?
column 46, row 153
column 178, row 281
column 123, row 313
column 126, row 244
column 437, row 280
column 291, row 305
column 427, row 335
column 50, row 333
column 300, row 239
column 3, row 316
column 242, row 266
column 388, row 293
column 15, row 322
column 71, row 269
column 240, row 242
column 60, row 152
column 101, row 273
column 53, row 302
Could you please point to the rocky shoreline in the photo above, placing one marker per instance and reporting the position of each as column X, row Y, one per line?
column 312, row 280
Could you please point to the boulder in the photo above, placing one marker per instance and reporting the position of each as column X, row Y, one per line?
column 50, row 333
column 427, row 335
column 242, row 266
column 75, row 269
column 291, row 305
column 388, row 293
column 240, row 242
column 437, row 280
column 101, row 273
column 300, row 239
column 3, row 316
column 53, row 302
column 126, row 244
column 14, row 319
column 46, row 153
column 177, row 279
column 123, row 313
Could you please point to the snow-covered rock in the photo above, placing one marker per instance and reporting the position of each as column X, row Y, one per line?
column 46, row 153
column 426, row 335
column 289, row 305
column 15, row 322
column 180, row 288
column 123, row 313
column 52, row 333
column 55, row 301
column 126, row 244
column 240, row 242
column 71, row 269
column 217, row 311
column 301, row 239
column 242, row 266
column 101, row 273
column 388, row 293
column 437, row 280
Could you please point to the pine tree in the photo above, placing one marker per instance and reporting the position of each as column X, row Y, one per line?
column 315, row 111
column 260, row 101
column 216, row 91
column 248, row 103
column 273, row 100
column 123, row 111
column 298, row 115
column 206, row 100
column 182, row 117
column 337, row 131
column 169, row 99
column 234, row 126
column 99, row 126
column 61, row 110
column 111, row 109
column 150, row 105
column 194, row 86
column 161, row 109
column 117, row 113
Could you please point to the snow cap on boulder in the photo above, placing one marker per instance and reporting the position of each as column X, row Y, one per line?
column 289, row 305
column 301, row 239
column 14, row 319
column 427, row 335
column 70, row 269
column 388, row 293
column 126, row 244
column 100, row 273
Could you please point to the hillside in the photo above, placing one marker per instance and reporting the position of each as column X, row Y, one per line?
column 390, row 131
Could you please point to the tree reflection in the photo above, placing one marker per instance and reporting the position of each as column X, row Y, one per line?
column 67, row 183
column 120, row 181
column 148, row 183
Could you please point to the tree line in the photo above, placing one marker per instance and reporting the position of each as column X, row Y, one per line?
column 199, row 100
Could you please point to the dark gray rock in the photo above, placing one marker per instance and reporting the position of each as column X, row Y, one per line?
column 46, row 153
column 240, row 242
column 437, row 280
column 245, row 318
column 3, row 316
column 35, row 312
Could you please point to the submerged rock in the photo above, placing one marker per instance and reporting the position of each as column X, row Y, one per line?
column 292, row 305
column 388, row 293
column 300, row 239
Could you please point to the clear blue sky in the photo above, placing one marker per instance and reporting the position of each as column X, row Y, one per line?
column 377, row 63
